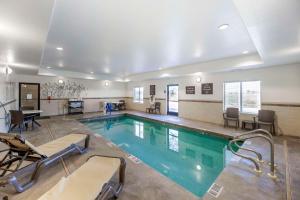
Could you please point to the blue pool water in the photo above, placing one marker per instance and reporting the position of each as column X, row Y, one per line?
column 192, row 159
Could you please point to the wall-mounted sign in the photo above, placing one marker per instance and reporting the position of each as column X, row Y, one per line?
column 29, row 96
column 190, row 90
column 152, row 90
column 207, row 88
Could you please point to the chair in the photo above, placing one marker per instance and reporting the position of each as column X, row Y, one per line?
column 40, row 157
column 91, row 181
column 266, row 118
column 231, row 114
column 122, row 105
column 157, row 107
column 17, row 118
column 150, row 109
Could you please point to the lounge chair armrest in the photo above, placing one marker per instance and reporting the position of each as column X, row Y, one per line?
column 122, row 166
column 87, row 140
column 107, row 156
column 4, row 150
column 107, row 189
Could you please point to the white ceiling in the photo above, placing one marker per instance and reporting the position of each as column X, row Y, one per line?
column 122, row 38
column 23, row 32
column 274, row 26
column 125, row 37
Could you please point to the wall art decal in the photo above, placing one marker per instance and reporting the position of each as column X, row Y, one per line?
column 67, row 89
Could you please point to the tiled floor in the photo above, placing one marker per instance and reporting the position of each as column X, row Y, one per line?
column 238, row 179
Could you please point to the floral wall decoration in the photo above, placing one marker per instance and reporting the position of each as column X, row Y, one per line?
column 67, row 89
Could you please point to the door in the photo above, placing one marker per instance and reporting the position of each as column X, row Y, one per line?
column 29, row 96
column 172, row 100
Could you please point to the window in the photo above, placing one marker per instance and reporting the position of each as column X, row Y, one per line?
column 243, row 95
column 138, row 94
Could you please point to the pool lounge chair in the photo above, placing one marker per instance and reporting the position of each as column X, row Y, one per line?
column 90, row 181
column 20, row 150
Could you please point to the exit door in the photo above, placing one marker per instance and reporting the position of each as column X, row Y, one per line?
column 172, row 100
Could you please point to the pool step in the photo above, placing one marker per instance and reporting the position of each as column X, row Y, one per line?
column 215, row 190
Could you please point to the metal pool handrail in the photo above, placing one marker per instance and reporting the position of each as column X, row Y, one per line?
column 258, row 133
column 5, row 112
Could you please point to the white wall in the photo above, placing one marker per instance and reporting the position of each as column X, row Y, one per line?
column 280, row 87
column 278, row 84
column 7, row 93
column 96, row 91
column 96, row 88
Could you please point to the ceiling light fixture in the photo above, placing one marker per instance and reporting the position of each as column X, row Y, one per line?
column 245, row 52
column 198, row 79
column 106, row 83
column 7, row 70
column 48, row 67
column 165, row 75
column 91, row 72
column 223, row 26
column 59, row 49
column 197, row 53
column 10, row 58
column 60, row 81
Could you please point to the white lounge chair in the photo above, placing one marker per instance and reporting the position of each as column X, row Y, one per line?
column 90, row 181
column 21, row 150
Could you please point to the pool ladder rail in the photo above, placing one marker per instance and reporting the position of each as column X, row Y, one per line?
column 258, row 133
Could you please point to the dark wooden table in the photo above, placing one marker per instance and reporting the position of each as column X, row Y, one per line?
column 33, row 114
column 252, row 123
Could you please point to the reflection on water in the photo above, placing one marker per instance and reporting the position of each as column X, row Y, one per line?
column 139, row 129
column 192, row 159
column 173, row 140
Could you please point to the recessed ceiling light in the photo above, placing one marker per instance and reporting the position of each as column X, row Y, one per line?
column 91, row 72
column 198, row 53
column 223, row 26
column 59, row 49
column 60, row 81
column 245, row 52
column 49, row 67
column 6, row 70
column 61, row 65
column 165, row 75
column 10, row 58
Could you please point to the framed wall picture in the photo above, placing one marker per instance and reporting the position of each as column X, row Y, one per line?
column 207, row 88
column 190, row 89
column 152, row 90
